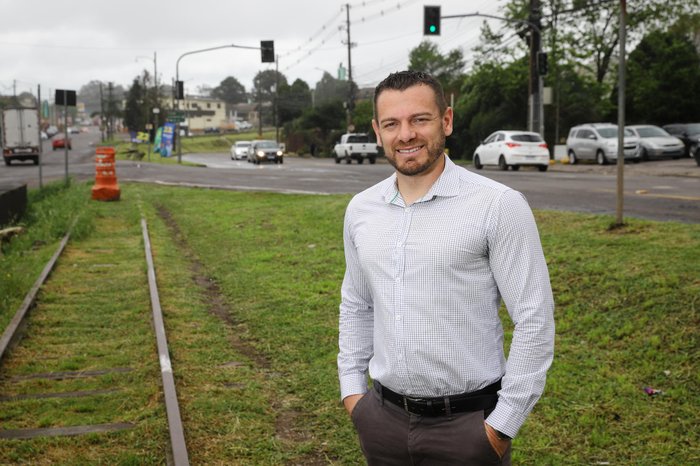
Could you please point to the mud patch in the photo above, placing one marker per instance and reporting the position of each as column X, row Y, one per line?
column 214, row 299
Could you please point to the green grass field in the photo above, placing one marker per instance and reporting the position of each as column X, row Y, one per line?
column 250, row 287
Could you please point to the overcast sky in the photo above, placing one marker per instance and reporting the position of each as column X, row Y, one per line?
column 63, row 44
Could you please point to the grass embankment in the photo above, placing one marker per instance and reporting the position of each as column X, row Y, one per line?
column 193, row 144
column 250, row 291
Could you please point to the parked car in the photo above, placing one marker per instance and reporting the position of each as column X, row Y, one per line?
column 689, row 133
column 512, row 149
column 655, row 142
column 212, row 130
column 265, row 150
column 239, row 150
column 59, row 141
column 73, row 130
column 51, row 131
column 598, row 141
column 242, row 125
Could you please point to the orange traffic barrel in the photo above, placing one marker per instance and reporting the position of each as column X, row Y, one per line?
column 106, row 187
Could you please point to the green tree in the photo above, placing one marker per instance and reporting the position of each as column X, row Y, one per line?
column 293, row 100
column 492, row 98
column 362, row 117
column 330, row 89
column 588, row 31
column 447, row 68
column 134, row 112
column 230, row 90
column 663, row 80
column 89, row 94
column 265, row 83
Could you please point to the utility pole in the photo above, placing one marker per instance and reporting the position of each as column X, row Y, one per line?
column 536, row 120
column 351, row 91
column 275, row 109
column 103, row 120
column 109, row 111
column 619, row 221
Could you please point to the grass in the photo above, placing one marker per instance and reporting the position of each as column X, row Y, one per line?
column 250, row 290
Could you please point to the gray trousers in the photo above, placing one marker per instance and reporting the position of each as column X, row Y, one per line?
column 391, row 436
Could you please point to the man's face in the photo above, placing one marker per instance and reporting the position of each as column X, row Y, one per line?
column 411, row 129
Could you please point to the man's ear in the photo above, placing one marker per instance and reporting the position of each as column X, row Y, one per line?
column 375, row 127
column 447, row 120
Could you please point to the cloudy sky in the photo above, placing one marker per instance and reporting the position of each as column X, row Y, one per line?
column 63, row 44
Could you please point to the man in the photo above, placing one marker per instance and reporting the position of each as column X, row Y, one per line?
column 430, row 252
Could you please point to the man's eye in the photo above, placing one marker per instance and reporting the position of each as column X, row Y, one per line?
column 389, row 125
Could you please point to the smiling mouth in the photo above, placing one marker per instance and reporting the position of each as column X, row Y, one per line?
column 409, row 150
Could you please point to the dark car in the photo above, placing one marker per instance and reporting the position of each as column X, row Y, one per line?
column 689, row 133
column 265, row 150
column 59, row 141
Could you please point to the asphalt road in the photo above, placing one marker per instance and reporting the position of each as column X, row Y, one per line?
column 657, row 190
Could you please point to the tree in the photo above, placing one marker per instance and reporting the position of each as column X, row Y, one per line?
column 447, row 69
column 492, row 98
column 89, row 95
column 588, row 31
column 663, row 80
column 293, row 100
column 134, row 113
column 329, row 89
column 230, row 90
column 264, row 84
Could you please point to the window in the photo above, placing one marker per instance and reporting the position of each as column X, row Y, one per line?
column 526, row 137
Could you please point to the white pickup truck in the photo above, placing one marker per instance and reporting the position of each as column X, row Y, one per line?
column 355, row 146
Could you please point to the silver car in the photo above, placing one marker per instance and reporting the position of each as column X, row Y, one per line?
column 265, row 150
column 239, row 150
column 598, row 141
column 656, row 143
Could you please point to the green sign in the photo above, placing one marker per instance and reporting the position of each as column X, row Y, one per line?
column 176, row 118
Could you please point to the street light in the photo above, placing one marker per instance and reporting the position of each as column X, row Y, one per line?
column 177, row 81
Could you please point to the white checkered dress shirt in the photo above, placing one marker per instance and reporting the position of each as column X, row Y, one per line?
column 422, row 288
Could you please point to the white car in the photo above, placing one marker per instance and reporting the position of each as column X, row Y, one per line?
column 656, row 143
column 512, row 149
column 239, row 151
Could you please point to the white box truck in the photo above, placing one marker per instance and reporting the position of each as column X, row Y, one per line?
column 21, row 139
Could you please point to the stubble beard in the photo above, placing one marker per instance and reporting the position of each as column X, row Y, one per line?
column 435, row 150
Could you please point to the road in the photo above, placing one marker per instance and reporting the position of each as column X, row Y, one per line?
column 659, row 190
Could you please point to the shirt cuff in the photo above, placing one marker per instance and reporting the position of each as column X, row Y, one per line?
column 353, row 384
column 506, row 419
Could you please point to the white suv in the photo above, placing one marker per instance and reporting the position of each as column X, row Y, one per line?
column 598, row 141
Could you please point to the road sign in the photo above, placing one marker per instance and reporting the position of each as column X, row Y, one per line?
column 176, row 116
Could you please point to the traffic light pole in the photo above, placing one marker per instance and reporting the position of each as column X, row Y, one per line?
column 536, row 113
column 177, row 80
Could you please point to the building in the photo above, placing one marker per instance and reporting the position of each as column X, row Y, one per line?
column 202, row 113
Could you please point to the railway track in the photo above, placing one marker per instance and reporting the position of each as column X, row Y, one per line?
column 76, row 364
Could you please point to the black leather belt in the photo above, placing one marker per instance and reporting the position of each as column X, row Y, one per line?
column 483, row 399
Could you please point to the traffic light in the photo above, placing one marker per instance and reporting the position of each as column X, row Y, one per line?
column 267, row 51
column 431, row 20
column 542, row 66
column 179, row 90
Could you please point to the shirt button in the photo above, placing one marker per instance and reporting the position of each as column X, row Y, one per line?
column 398, row 317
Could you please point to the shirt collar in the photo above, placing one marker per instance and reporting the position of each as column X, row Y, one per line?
column 447, row 185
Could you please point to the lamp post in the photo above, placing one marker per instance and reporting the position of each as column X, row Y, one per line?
column 177, row 80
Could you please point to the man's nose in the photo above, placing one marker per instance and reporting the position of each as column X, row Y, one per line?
column 406, row 132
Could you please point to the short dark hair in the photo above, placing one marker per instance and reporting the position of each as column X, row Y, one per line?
column 402, row 80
